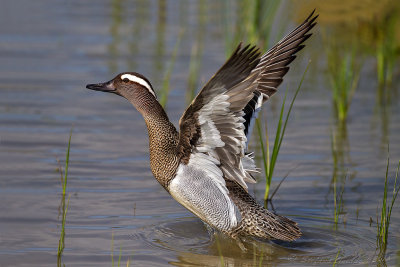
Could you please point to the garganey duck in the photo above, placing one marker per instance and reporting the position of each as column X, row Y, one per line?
column 205, row 166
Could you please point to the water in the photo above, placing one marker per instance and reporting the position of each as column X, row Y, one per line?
column 51, row 49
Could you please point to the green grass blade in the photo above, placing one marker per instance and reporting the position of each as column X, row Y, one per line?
column 280, row 133
column 291, row 104
column 276, row 147
column 265, row 158
column 268, row 169
column 264, row 154
column 383, row 222
column 337, row 256
column 120, row 254
column 112, row 249
column 167, row 77
column 67, row 162
column 63, row 227
column 221, row 257
column 63, row 207
column 384, row 202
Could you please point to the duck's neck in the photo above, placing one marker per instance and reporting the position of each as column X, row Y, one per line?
column 163, row 141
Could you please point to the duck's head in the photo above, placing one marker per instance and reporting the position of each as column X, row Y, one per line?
column 130, row 85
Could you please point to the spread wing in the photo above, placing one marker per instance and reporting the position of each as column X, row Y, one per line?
column 217, row 121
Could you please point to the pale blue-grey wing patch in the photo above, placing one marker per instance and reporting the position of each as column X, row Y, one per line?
column 209, row 115
column 200, row 187
column 222, row 132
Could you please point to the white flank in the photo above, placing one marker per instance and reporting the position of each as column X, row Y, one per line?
column 201, row 188
column 138, row 80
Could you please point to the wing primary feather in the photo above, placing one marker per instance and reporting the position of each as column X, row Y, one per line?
column 237, row 91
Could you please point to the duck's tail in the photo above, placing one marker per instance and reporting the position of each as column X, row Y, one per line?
column 259, row 222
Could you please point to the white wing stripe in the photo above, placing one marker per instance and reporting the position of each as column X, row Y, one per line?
column 210, row 136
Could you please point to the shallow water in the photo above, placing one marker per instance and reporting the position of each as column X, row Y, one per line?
column 51, row 49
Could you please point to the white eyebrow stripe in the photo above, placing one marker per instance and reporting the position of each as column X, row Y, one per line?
column 138, row 80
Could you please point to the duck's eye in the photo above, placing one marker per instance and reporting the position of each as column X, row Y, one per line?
column 125, row 80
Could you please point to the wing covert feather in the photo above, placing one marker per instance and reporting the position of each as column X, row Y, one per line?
column 236, row 93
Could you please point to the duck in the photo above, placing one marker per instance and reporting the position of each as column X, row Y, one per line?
column 206, row 165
